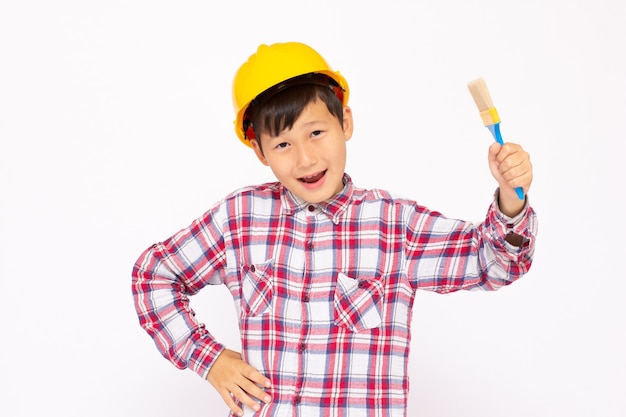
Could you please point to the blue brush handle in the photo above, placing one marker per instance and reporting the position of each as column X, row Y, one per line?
column 495, row 131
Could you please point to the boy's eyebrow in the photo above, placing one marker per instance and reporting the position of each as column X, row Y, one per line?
column 269, row 138
column 313, row 122
column 308, row 124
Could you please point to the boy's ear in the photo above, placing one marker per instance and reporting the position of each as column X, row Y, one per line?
column 348, row 123
column 258, row 152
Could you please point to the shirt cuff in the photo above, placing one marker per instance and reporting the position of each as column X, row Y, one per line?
column 523, row 225
column 204, row 354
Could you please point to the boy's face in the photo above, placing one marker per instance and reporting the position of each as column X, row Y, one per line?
column 310, row 158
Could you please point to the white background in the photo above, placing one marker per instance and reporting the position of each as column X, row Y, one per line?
column 116, row 131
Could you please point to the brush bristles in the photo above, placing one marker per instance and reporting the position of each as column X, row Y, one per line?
column 482, row 98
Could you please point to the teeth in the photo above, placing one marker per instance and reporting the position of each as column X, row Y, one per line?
column 312, row 178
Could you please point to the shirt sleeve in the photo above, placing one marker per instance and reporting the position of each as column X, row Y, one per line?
column 163, row 278
column 446, row 255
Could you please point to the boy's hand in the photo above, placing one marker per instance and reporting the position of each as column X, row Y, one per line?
column 235, row 379
column 510, row 166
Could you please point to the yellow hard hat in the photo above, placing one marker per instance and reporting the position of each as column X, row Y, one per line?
column 272, row 65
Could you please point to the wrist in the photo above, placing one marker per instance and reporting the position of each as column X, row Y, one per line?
column 509, row 203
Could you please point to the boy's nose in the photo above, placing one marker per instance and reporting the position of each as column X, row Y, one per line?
column 306, row 156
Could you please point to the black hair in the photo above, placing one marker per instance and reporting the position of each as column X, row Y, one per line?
column 282, row 109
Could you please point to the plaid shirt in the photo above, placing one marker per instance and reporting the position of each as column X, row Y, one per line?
column 324, row 292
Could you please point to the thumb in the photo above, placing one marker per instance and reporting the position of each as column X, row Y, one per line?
column 494, row 149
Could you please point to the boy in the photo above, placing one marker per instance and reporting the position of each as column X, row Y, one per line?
column 323, row 273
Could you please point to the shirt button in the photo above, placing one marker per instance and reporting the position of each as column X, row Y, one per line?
column 309, row 245
column 302, row 347
column 362, row 284
column 306, row 298
column 252, row 268
column 311, row 207
column 297, row 400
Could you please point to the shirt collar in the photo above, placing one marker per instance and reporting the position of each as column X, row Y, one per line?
column 332, row 207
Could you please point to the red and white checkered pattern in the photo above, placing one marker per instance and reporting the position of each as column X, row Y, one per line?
column 324, row 292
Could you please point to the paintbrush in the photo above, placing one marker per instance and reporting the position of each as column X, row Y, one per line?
column 489, row 114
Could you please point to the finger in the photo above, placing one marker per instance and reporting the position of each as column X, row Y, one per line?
column 522, row 181
column 516, row 163
column 509, row 148
column 230, row 402
column 510, row 169
column 249, row 383
column 517, row 178
column 257, row 377
column 253, row 390
column 245, row 399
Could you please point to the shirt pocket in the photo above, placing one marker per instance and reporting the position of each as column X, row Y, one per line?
column 256, row 288
column 358, row 302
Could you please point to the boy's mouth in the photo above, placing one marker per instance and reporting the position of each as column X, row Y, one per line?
column 311, row 179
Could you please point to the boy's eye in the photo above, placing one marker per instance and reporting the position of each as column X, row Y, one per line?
column 282, row 145
column 316, row 133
